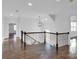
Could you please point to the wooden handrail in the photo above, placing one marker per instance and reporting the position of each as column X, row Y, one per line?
column 64, row 33
column 46, row 32
column 26, row 33
column 50, row 32
column 34, row 32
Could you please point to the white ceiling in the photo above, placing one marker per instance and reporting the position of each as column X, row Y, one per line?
column 39, row 7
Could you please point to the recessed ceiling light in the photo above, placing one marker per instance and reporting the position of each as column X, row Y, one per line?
column 29, row 4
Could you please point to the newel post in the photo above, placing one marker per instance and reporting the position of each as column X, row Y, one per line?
column 24, row 39
column 21, row 36
column 44, row 37
column 57, row 41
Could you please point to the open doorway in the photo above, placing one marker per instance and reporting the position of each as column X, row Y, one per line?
column 12, row 30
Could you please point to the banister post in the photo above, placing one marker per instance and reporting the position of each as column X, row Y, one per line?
column 68, row 32
column 24, row 39
column 21, row 36
column 44, row 37
column 57, row 42
column 68, row 37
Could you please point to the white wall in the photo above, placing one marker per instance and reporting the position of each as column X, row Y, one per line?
column 29, row 24
column 59, row 25
column 5, row 25
column 62, row 10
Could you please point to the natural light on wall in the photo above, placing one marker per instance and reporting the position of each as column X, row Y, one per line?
column 15, row 27
column 73, row 23
column 73, row 46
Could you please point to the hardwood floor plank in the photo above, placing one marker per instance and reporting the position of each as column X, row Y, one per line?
column 15, row 50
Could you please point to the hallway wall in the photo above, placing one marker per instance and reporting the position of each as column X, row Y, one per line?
column 5, row 25
column 62, row 10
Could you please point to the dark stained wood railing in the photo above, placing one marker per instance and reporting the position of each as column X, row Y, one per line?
column 63, row 33
column 25, row 39
column 21, row 36
column 44, row 37
column 57, row 42
column 26, row 33
column 34, row 32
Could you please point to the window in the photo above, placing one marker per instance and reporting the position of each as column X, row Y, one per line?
column 73, row 23
column 73, row 26
column 15, row 27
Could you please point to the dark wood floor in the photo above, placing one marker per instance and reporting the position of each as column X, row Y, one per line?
column 13, row 49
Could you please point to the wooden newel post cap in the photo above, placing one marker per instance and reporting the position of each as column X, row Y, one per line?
column 44, row 31
column 68, row 32
column 21, row 31
column 24, row 32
